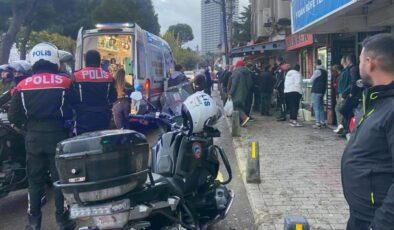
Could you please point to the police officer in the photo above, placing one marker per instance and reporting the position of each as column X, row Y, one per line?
column 19, row 71
column 6, row 78
column 42, row 104
column 96, row 93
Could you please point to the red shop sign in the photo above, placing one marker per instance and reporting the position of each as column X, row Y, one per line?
column 298, row 40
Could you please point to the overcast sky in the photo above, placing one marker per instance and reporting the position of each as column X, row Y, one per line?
column 172, row 12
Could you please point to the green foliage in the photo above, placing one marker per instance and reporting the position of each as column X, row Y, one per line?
column 182, row 31
column 242, row 29
column 138, row 11
column 62, row 42
column 185, row 57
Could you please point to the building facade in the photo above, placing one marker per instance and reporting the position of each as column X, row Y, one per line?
column 212, row 35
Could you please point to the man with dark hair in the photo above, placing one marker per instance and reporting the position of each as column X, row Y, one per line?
column 96, row 91
column 279, row 76
column 178, row 77
column 367, row 162
column 266, row 85
column 319, row 87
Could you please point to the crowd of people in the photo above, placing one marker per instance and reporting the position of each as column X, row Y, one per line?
column 52, row 105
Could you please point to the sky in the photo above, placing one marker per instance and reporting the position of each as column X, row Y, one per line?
column 172, row 12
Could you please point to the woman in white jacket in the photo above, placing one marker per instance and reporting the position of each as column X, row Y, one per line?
column 293, row 93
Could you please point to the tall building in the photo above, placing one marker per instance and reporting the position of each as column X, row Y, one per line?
column 212, row 24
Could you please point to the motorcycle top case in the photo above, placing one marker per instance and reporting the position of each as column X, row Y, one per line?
column 86, row 160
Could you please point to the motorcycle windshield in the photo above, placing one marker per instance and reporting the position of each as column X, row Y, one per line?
column 174, row 96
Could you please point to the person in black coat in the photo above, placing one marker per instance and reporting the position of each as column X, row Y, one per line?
column 367, row 163
column 266, row 84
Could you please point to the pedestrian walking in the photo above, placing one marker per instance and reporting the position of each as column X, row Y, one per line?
column 352, row 94
column 122, row 106
column 241, row 84
column 342, row 84
column 208, row 79
column 279, row 87
column 42, row 105
column 367, row 162
column 266, row 85
column 96, row 94
column 293, row 93
column 319, row 87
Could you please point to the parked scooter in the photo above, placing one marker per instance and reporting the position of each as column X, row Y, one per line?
column 103, row 174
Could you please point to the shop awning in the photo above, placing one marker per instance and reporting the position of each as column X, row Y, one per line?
column 341, row 16
column 258, row 48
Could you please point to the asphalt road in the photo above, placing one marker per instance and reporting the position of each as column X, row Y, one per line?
column 13, row 207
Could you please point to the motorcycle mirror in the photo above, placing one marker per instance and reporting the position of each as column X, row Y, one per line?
column 137, row 96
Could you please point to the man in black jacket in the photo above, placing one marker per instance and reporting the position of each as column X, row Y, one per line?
column 279, row 87
column 42, row 103
column 368, row 160
column 266, row 85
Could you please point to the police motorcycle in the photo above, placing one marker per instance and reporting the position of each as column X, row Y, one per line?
column 12, row 146
column 173, row 97
column 12, row 157
column 106, row 177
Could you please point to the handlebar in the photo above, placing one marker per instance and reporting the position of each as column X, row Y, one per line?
column 163, row 118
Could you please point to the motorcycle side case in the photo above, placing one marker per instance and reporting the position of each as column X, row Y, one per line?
column 98, row 156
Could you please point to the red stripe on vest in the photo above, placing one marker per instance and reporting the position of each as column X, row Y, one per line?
column 44, row 81
column 93, row 74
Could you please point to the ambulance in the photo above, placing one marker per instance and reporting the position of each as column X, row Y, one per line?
column 146, row 58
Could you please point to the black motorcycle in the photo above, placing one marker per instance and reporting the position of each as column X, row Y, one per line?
column 12, row 157
column 105, row 177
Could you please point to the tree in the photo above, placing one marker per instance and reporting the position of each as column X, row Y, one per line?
column 62, row 42
column 20, row 10
column 183, row 32
column 242, row 30
column 138, row 11
column 185, row 57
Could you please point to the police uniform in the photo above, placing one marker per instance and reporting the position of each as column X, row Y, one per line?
column 42, row 103
column 96, row 93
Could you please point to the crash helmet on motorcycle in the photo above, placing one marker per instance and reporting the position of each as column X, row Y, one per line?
column 200, row 111
column 44, row 56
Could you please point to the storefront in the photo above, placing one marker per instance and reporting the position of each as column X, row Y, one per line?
column 344, row 24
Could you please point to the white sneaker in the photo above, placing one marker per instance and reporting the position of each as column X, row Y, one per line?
column 348, row 135
column 338, row 129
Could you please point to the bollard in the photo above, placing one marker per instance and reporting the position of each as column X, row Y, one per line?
column 296, row 223
column 253, row 164
column 235, row 124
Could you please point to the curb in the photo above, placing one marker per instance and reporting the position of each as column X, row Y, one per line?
column 241, row 156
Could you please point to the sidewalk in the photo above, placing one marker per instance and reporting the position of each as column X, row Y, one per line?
column 300, row 173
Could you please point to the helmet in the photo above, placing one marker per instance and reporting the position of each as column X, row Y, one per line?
column 44, row 51
column 199, row 111
column 4, row 67
column 21, row 66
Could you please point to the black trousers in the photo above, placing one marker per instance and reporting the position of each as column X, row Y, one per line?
column 357, row 224
column 249, row 103
column 281, row 103
column 293, row 104
column 265, row 103
column 41, row 150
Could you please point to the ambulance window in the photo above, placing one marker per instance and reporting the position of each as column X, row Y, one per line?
column 157, row 62
column 141, row 61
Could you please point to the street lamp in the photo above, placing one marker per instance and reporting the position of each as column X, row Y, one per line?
column 222, row 3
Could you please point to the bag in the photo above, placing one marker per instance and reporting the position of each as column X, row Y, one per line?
column 228, row 108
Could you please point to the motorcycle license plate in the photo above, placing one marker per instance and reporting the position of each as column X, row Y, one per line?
column 118, row 220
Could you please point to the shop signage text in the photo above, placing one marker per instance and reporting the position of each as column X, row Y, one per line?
column 298, row 40
column 308, row 12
